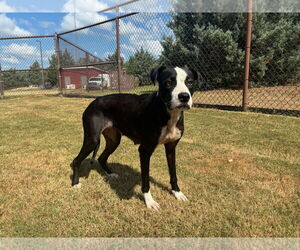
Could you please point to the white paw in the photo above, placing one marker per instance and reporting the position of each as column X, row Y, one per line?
column 153, row 205
column 77, row 185
column 179, row 195
column 113, row 175
column 150, row 203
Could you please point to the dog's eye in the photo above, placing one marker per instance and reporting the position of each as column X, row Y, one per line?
column 170, row 83
column 189, row 83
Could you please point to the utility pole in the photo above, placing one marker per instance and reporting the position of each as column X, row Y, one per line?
column 58, row 54
column 247, row 56
column 74, row 6
column 118, row 49
column 42, row 64
column 1, row 84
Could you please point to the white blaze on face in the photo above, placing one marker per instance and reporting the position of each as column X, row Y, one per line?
column 180, row 88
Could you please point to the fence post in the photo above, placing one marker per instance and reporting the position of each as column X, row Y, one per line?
column 1, row 84
column 118, row 50
column 57, row 52
column 247, row 55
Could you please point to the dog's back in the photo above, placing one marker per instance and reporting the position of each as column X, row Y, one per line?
column 131, row 114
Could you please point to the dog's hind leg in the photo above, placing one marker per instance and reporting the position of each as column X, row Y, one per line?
column 112, row 137
column 92, row 126
column 87, row 147
column 95, row 153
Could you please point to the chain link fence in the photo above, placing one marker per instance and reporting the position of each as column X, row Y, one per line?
column 28, row 66
column 117, row 54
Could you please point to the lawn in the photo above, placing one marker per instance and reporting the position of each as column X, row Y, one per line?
column 240, row 171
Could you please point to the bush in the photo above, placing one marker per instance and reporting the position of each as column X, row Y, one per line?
column 214, row 45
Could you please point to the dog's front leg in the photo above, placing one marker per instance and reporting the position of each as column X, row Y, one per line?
column 170, row 154
column 145, row 154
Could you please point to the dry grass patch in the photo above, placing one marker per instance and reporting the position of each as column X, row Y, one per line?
column 240, row 172
column 280, row 97
column 25, row 91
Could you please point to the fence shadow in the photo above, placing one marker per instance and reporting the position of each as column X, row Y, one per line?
column 124, row 186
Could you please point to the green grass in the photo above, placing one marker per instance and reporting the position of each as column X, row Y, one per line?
column 240, row 172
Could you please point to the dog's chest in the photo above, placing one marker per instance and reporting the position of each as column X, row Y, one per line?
column 170, row 132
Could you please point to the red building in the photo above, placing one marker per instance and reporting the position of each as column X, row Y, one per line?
column 77, row 77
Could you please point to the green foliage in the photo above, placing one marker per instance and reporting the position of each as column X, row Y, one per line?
column 276, row 49
column 214, row 44
column 114, row 58
column 13, row 79
column 88, row 59
column 51, row 75
column 67, row 59
column 139, row 65
column 209, row 5
column 34, row 77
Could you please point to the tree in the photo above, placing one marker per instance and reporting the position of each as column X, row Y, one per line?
column 275, row 58
column 67, row 59
column 140, row 65
column 214, row 44
column 34, row 77
column 114, row 57
column 208, row 5
column 15, row 79
column 51, row 74
column 88, row 58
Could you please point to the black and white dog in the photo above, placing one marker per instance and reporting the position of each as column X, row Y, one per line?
column 147, row 119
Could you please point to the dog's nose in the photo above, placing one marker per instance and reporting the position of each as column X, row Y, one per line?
column 184, row 97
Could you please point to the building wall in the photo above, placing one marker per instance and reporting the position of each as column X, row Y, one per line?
column 127, row 81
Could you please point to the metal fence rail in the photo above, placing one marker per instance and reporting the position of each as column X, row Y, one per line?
column 27, row 66
column 117, row 54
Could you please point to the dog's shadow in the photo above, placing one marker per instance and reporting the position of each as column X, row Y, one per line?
column 125, row 184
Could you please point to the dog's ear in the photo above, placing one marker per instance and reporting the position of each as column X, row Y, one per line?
column 194, row 72
column 155, row 72
column 153, row 75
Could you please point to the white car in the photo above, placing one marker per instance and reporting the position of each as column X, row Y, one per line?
column 99, row 82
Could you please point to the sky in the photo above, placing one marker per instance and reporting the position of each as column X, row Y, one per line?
column 81, row 5
column 50, row 5
column 31, row 17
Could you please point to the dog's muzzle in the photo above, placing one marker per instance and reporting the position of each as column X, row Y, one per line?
column 183, row 106
column 180, row 106
column 183, row 99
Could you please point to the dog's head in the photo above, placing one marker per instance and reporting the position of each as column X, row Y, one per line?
column 175, row 86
